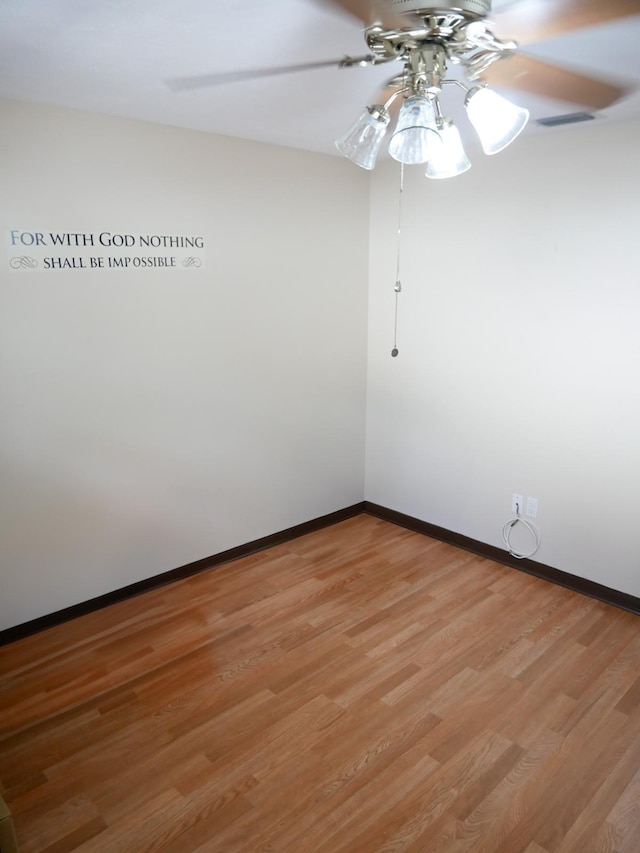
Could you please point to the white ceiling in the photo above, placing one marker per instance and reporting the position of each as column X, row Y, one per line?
column 115, row 56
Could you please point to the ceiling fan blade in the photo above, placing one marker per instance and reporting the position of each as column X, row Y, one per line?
column 529, row 21
column 531, row 75
column 374, row 12
column 201, row 81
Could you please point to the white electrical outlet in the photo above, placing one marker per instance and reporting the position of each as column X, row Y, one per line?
column 532, row 507
column 517, row 503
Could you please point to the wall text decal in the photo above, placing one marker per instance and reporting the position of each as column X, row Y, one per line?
column 39, row 250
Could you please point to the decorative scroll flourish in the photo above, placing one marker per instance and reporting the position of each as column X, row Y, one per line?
column 23, row 262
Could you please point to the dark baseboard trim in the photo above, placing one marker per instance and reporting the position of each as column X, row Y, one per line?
column 490, row 552
column 498, row 555
column 18, row 632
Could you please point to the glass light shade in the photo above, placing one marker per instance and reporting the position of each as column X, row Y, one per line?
column 496, row 120
column 451, row 159
column 361, row 142
column 415, row 139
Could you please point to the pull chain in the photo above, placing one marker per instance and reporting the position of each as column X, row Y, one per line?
column 398, row 286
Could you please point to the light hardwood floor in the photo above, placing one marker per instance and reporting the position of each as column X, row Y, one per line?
column 362, row 688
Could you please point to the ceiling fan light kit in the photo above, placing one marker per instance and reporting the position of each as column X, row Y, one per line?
column 451, row 159
column 416, row 138
column 496, row 120
column 361, row 142
column 454, row 32
column 427, row 39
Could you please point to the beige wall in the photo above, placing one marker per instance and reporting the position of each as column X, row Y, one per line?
column 519, row 337
column 153, row 418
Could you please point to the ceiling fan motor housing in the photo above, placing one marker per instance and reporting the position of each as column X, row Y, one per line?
column 468, row 8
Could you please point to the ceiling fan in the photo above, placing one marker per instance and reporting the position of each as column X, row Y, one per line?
column 427, row 37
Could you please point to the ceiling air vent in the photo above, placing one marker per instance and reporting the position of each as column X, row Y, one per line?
column 570, row 118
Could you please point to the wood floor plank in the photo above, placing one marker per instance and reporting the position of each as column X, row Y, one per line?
column 619, row 791
column 362, row 688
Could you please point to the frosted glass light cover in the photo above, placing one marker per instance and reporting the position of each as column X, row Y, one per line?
column 496, row 120
column 451, row 159
column 361, row 142
column 415, row 139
